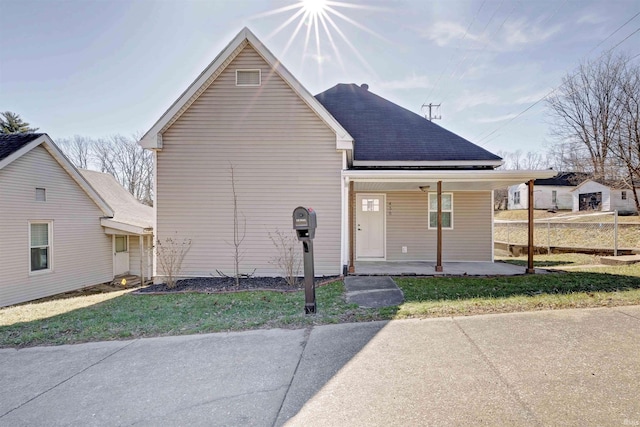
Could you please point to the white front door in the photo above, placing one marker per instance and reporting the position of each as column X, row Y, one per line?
column 370, row 225
column 120, row 255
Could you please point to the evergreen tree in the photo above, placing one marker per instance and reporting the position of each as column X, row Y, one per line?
column 12, row 123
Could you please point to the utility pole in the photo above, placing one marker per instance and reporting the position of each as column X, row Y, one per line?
column 431, row 117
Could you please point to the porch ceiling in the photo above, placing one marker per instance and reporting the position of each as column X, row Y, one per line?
column 452, row 180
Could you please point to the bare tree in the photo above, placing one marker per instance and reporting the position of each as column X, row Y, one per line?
column 79, row 150
column 516, row 160
column 586, row 110
column 627, row 147
column 170, row 255
column 287, row 258
column 129, row 163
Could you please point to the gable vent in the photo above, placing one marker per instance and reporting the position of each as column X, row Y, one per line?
column 248, row 78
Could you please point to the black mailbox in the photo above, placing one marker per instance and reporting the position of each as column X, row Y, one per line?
column 304, row 222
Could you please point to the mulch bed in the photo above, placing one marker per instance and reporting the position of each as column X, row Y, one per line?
column 227, row 284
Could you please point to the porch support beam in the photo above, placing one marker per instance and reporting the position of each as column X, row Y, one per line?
column 439, row 250
column 141, row 244
column 352, row 228
column 530, row 269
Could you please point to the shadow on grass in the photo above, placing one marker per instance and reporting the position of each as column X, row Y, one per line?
column 460, row 288
column 135, row 316
column 523, row 263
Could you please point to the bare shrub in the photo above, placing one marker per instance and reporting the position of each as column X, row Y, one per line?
column 287, row 258
column 171, row 254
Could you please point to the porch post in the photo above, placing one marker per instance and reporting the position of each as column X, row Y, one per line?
column 352, row 234
column 439, row 250
column 530, row 269
column 141, row 244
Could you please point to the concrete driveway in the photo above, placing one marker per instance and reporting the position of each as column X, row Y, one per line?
column 569, row 367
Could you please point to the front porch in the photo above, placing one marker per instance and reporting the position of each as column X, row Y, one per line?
column 427, row 268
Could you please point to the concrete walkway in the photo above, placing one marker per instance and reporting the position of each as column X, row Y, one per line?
column 426, row 268
column 567, row 367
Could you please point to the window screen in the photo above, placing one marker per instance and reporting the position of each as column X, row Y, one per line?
column 41, row 195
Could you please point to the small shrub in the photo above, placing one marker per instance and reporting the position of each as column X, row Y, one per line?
column 287, row 258
column 170, row 255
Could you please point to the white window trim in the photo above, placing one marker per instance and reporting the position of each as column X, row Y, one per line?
column 516, row 195
column 50, row 231
column 436, row 211
column 250, row 85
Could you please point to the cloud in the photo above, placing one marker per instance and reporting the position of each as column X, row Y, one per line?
column 532, row 97
column 411, row 82
column 474, row 99
column 591, row 18
column 495, row 118
column 512, row 36
column 444, row 32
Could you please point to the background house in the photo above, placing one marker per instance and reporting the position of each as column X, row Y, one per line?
column 550, row 193
column 603, row 195
column 52, row 240
column 130, row 228
column 247, row 130
column 58, row 232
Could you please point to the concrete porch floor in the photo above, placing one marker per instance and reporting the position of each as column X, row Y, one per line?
column 428, row 268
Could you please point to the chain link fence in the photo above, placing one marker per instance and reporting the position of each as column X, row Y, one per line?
column 587, row 232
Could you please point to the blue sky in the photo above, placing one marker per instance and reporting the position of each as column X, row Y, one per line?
column 96, row 68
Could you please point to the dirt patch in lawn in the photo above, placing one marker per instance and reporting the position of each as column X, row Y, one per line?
column 227, row 284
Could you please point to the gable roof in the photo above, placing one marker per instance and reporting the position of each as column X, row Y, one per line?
column 386, row 134
column 14, row 146
column 608, row 183
column 128, row 213
column 153, row 138
column 563, row 179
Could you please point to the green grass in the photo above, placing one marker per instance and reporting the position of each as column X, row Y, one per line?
column 133, row 316
column 450, row 296
column 124, row 316
column 553, row 260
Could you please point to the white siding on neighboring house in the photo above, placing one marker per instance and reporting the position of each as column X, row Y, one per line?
column 626, row 205
column 518, row 197
column 407, row 221
column 283, row 156
column 80, row 251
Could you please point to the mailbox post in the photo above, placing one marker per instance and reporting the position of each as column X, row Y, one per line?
column 304, row 222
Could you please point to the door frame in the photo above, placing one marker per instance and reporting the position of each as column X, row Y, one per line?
column 113, row 243
column 383, row 208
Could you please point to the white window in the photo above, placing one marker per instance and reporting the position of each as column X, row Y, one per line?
column 40, row 246
column 248, row 77
column 516, row 198
column 623, row 195
column 370, row 205
column 41, row 195
column 447, row 210
column 121, row 244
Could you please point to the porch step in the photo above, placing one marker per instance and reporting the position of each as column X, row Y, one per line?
column 620, row 260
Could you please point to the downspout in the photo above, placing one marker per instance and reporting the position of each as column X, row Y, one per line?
column 352, row 221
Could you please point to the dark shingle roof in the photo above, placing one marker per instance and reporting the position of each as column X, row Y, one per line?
column 568, row 179
column 10, row 143
column 384, row 131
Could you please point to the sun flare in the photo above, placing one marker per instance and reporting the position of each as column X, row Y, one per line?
column 314, row 7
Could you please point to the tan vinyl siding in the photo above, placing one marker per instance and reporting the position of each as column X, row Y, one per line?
column 283, row 155
column 407, row 225
column 81, row 252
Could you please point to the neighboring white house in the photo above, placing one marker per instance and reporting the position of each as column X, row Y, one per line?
column 131, row 227
column 369, row 168
column 56, row 229
column 550, row 194
column 52, row 240
column 604, row 196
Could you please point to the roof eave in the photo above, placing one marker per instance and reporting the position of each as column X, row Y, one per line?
column 428, row 163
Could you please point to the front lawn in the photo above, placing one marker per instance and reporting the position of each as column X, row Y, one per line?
column 120, row 315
